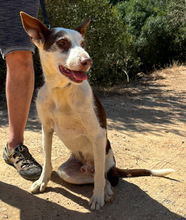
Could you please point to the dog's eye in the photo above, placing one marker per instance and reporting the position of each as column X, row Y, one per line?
column 64, row 44
column 82, row 44
column 61, row 43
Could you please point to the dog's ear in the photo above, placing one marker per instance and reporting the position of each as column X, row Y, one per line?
column 34, row 28
column 82, row 27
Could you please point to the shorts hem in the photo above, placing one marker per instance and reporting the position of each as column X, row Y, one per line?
column 12, row 49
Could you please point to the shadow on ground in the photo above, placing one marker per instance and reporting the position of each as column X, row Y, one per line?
column 136, row 204
column 146, row 104
column 142, row 103
column 33, row 123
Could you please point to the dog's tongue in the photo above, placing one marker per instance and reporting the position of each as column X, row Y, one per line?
column 79, row 75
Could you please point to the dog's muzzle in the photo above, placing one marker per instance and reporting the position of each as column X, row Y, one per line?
column 75, row 76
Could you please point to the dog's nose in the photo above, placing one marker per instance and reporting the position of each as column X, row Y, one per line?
column 86, row 61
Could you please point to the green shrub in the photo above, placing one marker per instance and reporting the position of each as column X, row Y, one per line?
column 107, row 42
column 158, row 28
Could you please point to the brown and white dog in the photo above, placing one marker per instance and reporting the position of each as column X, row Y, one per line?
column 67, row 105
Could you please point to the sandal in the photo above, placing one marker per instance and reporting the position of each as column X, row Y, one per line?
column 23, row 162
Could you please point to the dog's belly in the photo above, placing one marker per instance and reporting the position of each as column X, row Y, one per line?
column 75, row 139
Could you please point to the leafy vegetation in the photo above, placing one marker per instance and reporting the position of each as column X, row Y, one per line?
column 158, row 28
column 124, row 36
column 107, row 42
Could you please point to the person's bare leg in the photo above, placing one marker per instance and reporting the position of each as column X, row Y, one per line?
column 19, row 91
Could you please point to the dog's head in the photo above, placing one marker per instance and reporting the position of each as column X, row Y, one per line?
column 62, row 50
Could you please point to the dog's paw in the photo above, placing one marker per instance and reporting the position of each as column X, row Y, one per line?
column 108, row 192
column 97, row 202
column 38, row 186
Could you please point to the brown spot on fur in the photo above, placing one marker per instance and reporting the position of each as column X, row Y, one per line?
column 64, row 44
column 51, row 38
column 132, row 172
column 100, row 112
column 113, row 176
column 115, row 173
column 108, row 147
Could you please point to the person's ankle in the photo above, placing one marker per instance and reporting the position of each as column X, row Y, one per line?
column 12, row 145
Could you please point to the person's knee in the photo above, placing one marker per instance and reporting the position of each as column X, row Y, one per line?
column 21, row 56
column 19, row 63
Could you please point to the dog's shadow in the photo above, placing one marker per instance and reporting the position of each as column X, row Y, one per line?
column 32, row 207
column 130, row 201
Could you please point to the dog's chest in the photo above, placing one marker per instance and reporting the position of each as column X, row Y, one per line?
column 70, row 128
column 66, row 122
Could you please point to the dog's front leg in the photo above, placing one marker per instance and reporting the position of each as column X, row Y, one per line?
column 97, row 200
column 41, row 183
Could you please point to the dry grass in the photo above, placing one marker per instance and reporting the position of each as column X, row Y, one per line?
column 175, row 68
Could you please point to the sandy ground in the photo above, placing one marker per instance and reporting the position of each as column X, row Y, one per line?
column 147, row 129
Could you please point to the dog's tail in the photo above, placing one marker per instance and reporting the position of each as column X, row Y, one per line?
column 115, row 173
column 142, row 172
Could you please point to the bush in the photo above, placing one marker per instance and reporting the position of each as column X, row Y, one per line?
column 107, row 42
column 158, row 28
column 134, row 35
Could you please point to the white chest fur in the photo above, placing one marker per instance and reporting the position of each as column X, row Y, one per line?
column 70, row 113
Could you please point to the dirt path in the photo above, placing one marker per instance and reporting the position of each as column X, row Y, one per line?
column 147, row 129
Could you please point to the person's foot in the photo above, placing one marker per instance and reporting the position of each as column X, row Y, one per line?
column 22, row 160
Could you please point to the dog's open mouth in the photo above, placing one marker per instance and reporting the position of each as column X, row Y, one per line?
column 76, row 76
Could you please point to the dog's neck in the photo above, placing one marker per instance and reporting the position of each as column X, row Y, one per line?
column 51, row 81
column 69, row 84
column 57, row 85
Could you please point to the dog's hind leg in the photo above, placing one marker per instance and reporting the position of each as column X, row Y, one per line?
column 71, row 171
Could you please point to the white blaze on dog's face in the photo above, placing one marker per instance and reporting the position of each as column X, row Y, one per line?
column 61, row 50
column 64, row 50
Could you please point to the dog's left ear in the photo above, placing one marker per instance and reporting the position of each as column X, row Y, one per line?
column 34, row 28
column 82, row 27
